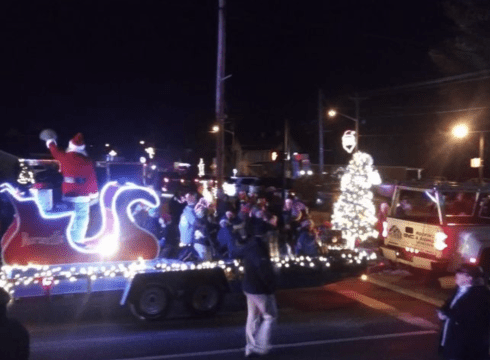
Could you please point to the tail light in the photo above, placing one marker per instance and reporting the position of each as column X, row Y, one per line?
column 440, row 241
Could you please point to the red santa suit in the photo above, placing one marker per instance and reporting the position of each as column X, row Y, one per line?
column 79, row 183
column 79, row 179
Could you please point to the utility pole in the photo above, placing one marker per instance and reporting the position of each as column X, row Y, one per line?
column 482, row 155
column 220, row 88
column 285, row 158
column 320, row 132
column 357, row 100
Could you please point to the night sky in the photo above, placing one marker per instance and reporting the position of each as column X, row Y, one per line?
column 123, row 70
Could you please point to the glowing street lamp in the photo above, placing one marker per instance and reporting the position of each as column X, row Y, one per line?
column 460, row 131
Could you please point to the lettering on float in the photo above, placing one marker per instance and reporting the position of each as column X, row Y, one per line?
column 55, row 239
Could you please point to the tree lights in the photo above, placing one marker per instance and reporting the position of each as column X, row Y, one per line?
column 354, row 212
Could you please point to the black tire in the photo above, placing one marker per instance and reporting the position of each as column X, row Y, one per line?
column 204, row 299
column 152, row 302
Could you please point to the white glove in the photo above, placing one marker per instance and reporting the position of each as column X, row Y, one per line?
column 49, row 136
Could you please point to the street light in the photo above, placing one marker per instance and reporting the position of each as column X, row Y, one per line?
column 460, row 131
column 215, row 129
column 333, row 113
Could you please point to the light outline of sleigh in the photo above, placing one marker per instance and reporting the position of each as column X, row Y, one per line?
column 108, row 243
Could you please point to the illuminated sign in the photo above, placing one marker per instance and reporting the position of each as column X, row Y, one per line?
column 475, row 162
column 349, row 141
column 200, row 167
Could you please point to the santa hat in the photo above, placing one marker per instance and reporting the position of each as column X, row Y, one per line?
column 77, row 144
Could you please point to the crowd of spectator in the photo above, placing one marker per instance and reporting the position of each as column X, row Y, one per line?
column 189, row 227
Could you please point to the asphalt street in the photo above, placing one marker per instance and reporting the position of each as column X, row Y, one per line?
column 352, row 319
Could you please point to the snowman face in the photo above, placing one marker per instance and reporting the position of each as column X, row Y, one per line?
column 349, row 141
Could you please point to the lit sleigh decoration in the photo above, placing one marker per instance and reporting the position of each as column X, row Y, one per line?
column 43, row 238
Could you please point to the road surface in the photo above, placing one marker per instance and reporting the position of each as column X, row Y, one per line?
column 352, row 319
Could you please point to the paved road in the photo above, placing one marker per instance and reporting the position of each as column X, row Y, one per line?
column 352, row 319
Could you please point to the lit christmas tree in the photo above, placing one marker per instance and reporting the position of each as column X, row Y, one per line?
column 354, row 212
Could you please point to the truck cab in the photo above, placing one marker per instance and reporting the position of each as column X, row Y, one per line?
column 438, row 226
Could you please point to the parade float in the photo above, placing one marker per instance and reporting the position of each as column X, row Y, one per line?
column 41, row 260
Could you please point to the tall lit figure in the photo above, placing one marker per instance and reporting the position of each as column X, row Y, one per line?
column 79, row 185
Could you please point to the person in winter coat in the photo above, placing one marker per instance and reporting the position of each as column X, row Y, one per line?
column 293, row 212
column 187, row 223
column 306, row 244
column 14, row 338
column 229, row 233
column 466, row 316
column 176, row 206
column 169, row 239
column 258, row 285
column 382, row 216
column 202, row 239
column 79, row 185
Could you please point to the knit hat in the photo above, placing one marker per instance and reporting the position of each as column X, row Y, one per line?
column 77, row 144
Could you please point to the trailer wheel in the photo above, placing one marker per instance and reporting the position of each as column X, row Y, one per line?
column 204, row 299
column 152, row 302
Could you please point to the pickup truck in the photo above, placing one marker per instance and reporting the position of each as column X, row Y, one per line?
column 437, row 226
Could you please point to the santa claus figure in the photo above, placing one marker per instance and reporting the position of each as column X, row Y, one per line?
column 79, row 185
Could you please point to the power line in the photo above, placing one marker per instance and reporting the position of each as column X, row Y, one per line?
column 475, row 76
column 430, row 113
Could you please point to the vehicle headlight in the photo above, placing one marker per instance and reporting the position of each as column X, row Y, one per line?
column 440, row 241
